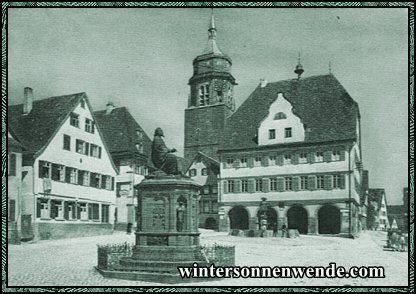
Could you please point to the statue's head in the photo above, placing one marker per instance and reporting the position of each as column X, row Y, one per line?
column 159, row 132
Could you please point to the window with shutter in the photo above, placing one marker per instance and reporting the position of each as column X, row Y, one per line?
column 225, row 186
column 257, row 160
column 251, row 184
column 311, row 183
column 295, row 158
column 327, row 156
column 273, row 184
column 67, row 174
column 336, row 155
column 336, row 183
column 266, row 185
column 295, row 183
column 303, row 183
column 244, row 185
column 288, row 184
column 259, row 185
column 320, row 180
column 303, row 158
column 280, row 184
column 243, row 161
column 342, row 181
column 67, row 142
column 237, row 186
column 81, row 177
column 319, row 156
column 328, row 182
column 250, row 162
column 280, row 160
column 287, row 159
column 231, row 186
column 265, row 161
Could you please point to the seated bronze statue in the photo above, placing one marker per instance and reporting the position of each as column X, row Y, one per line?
column 162, row 156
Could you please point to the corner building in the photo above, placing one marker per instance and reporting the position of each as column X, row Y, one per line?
column 294, row 142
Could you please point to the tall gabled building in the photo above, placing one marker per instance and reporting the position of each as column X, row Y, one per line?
column 130, row 149
column 67, row 172
column 295, row 143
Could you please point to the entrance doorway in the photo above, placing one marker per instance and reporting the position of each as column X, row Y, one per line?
column 297, row 218
column 329, row 220
column 238, row 218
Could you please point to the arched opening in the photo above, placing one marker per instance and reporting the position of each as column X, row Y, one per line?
column 181, row 215
column 297, row 218
column 329, row 220
column 210, row 223
column 271, row 216
column 238, row 218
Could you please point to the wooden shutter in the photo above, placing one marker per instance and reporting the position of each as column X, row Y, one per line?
column 265, row 161
column 67, row 174
column 280, row 184
column 225, row 186
column 342, row 180
column 279, row 160
column 78, row 207
column 311, row 157
column 12, row 210
column 311, row 183
column 87, row 147
column 236, row 163
column 327, row 156
column 266, row 184
column 99, row 152
column 342, row 155
column 66, row 210
column 237, row 186
column 327, row 182
column 112, row 184
column 295, row 183
column 40, row 168
column 251, row 185
column 80, row 177
column 295, row 158
column 250, row 161
column 38, row 208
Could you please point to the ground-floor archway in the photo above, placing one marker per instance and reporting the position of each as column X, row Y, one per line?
column 329, row 220
column 210, row 223
column 238, row 218
column 271, row 215
column 297, row 218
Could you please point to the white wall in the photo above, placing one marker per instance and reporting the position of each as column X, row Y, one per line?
column 292, row 121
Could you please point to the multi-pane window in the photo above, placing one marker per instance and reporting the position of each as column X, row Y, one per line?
column 303, row 158
column 303, row 183
column 288, row 159
column 259, row 185
column 73, row 177
column 192, row 172
column 336, row 181
column 230, row 162
column 204, row 95
column 12, row 164
column 44, row 169
column 95, row 180
column 230, row 186
column 243, row 161
column 288, row 132
column 273, row 184
column 336, row 155
column 82, row 147
column 272, row 159
column 67, row 142
column 93, row 211
column 244, row 185
column 288, row 184
column 89, row 126
column 272, row 134
column 204, row 172
column 86, row 178
column 279, row 115
column 319, row 156
column 74, row 120
column 95, row 151
column 58, row 172
column 320, row 182
column 257, row 160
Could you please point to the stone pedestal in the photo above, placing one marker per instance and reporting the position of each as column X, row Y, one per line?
column 167, row 229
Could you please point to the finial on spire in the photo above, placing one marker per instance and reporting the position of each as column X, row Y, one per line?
column 212, row 31
column 330, row 68
column 299, row 68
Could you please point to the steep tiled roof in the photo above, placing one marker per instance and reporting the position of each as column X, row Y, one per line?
column 376, row 195
column 321, row 102
column 395, row 209
column 209, row 161
column 35, row 129
column 120, row 131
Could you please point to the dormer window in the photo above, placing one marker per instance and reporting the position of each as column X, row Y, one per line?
column 279, row 115
column 288, row 132
column 204, row 172
column 89, row 126
column 192, row 172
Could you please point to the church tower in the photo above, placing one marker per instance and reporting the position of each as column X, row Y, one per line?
column 211, row 100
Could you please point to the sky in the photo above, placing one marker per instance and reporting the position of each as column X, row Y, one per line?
column 141, row 58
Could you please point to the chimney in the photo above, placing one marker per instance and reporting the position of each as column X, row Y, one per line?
column 263, row 83
column 109, row 107
column 28, row 100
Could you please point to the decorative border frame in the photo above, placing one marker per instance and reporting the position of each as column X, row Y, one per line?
column 408, row 5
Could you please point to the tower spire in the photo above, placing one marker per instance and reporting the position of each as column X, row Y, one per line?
column 212, row 46
column 299, row 68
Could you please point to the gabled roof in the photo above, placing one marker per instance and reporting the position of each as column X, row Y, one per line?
column 321, row 102
column 120, row 132
column 37, row 128
column 209, row 162
column 395, row 209
column 376, row 195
